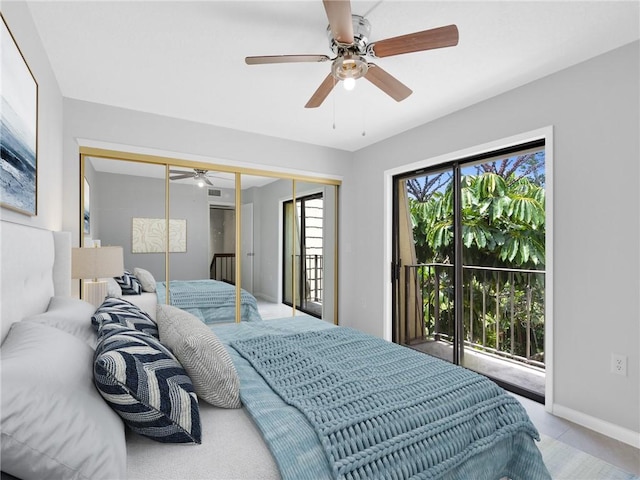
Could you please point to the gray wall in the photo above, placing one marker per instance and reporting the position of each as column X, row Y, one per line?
column 593, row 108
column 266, row 233
column 117, row 199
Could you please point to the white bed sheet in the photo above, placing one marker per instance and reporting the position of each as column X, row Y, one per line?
column 231, row 448
column 147, row 301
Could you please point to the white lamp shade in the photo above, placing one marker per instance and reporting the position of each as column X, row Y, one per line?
column 98, row 262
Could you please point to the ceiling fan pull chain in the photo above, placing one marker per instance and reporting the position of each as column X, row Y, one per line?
column 333, row 101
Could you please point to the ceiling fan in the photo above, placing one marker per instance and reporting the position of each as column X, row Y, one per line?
column 199, row 176
column 349, row 41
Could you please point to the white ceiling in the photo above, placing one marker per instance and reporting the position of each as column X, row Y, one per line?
column 186, row 59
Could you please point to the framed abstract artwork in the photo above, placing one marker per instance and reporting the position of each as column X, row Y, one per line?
column 18, row 129
column 149, row 235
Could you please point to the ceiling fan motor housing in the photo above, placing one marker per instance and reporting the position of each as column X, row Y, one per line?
column 349, row 62
column 361, row 31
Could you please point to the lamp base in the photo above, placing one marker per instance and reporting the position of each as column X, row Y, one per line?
column 95, row 292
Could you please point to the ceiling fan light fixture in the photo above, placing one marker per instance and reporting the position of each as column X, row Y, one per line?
column 349, row 67
column 200, row 177
column 349, row 83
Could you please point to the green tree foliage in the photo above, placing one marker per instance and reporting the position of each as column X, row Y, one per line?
column 503, row 222
column 503, row 226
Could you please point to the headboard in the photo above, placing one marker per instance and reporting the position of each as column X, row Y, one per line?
column 35, row 265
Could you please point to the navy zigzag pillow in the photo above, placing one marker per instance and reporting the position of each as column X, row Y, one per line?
column 145, row 384
column 117, row 310
column 129, row 284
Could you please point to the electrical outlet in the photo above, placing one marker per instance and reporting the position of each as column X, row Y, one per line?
column 619, row 364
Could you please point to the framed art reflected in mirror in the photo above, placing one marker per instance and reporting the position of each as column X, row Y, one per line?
column 149, row 235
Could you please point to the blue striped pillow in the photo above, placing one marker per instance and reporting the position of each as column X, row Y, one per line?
column 145, row 384
column 129, row 284
column 118, row 310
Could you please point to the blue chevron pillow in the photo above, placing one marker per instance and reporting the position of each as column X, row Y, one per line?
column 129, row 284
column 118, row 310
column 145, row 384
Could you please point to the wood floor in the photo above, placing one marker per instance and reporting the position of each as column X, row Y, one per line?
column 608, row 449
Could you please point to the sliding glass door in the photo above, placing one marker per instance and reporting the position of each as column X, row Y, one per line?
column 303, row 253
column 469, row 258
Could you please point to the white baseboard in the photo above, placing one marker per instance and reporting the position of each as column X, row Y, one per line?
column 264, row 296
column 612, row 430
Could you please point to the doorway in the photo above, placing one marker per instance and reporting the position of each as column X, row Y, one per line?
column 303, row 258
column 222, row 243
column 469, row 264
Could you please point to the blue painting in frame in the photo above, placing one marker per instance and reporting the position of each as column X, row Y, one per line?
column 18, row 129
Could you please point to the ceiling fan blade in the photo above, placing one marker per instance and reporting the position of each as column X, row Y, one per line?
column 208, row 182
column 181, row 176
column 261, row 60
column 340, row 20
column 387, row 83
column 416, row 42
column 179, row 171
column 321, row 93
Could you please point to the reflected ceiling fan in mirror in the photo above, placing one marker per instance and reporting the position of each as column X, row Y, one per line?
column 348, row 39
column 198, row 175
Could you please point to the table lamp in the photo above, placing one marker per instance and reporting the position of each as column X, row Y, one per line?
column 95, row 263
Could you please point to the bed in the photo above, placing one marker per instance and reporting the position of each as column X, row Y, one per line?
column 318, row 401
column 212, row 301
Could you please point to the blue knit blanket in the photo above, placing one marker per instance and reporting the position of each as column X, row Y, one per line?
column 384, row 411
column 210, row 300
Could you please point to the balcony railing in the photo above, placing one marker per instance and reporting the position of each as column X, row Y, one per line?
column 223, row 267
column 503, row 309
column 313, row 275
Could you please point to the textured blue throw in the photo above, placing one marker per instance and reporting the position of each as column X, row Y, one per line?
column 384, row 411
column 210, row 300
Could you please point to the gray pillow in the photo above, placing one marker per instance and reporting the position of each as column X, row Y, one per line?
column 202, row 355
column 71, row 315
column 146, row 279
column 54, row 422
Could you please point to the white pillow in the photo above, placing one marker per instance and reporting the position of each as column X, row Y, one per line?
column 71, row 315
column 113, row 288
column 146, row 279
column 55, row 424
column 202, row 355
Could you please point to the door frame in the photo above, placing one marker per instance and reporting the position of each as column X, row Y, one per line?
column 310, row 194
column 545, row 133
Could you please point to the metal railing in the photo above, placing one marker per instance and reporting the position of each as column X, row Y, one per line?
column 223, row 267
column 312, row 271
column 503, row 309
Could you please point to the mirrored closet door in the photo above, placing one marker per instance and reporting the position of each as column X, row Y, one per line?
column 243, row 231
column 124, row 205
